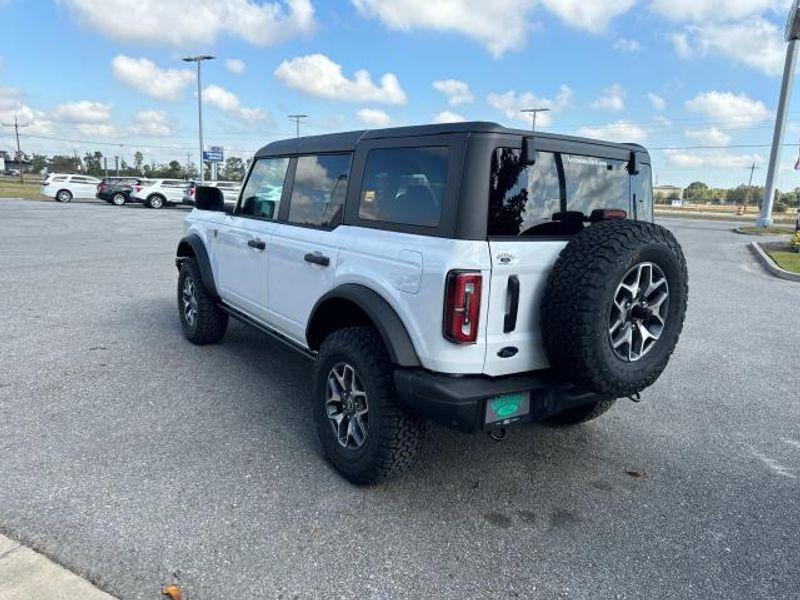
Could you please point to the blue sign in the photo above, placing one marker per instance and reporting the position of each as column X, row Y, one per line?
column 214, row 154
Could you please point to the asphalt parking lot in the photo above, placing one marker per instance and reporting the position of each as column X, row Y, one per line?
column 138, row 460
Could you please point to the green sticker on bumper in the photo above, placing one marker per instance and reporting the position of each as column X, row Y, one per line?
column 506, row 407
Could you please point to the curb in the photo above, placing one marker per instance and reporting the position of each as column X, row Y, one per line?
column 770, row 265
column 26, row 574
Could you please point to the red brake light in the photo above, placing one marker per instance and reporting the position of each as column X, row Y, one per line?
column 138, row 188
column 191, row 191
column 462, row 306
column 608, row 214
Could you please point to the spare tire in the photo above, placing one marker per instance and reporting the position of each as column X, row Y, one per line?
column 614, row 307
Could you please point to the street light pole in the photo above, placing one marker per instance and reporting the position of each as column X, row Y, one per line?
column 792, row 36
column 534, row 112
column 198, row 60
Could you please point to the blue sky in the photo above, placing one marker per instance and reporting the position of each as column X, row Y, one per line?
column 671, row 74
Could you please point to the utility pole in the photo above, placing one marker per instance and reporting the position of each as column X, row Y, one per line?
column 198, row 60
column 297, row 119
column 750, row 186
column 534, row 112
column 792, row 36
column 116, row 165
column 17, row 127
column 105, row 165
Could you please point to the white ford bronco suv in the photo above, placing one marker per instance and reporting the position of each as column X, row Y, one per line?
column 467, row 274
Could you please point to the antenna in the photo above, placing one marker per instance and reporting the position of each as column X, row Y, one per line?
column 534, row 112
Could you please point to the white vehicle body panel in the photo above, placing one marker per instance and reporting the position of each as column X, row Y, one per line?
column 170, row 189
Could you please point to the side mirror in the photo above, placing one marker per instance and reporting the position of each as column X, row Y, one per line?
column 528, row 151
column 209, row 198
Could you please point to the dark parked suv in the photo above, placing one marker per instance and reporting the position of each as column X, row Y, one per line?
column 116, row 190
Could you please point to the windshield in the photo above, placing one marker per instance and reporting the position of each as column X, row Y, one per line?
column 550, row 197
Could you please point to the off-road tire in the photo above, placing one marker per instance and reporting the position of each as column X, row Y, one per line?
column 155, row 201
column 580, row 414
column 211, row 322
column 579, row 295
column 394, row 435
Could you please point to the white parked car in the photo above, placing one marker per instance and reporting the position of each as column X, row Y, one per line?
column 466, row 273
column 156, row 193
column 63, row 187
column 230, row 191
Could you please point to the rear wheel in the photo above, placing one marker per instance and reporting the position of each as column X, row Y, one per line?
column 118, row 199
column 64, row 196
column 364, row 431
column 155, row 201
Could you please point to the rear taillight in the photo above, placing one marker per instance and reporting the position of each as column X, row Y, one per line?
column 462, row 306
column 138, row 188
column 191, row 191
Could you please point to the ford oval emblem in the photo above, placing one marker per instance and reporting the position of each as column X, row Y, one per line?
column 508, row 352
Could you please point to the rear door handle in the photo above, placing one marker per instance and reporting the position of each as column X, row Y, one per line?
column 257, row 244
column 510, row 323
column 318, row 259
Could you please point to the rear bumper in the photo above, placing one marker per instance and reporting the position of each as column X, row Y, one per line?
column 460, row 402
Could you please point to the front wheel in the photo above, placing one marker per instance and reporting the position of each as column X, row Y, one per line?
column 64, row 196
column 202, row 320
column 364, row 431
column 118, row 199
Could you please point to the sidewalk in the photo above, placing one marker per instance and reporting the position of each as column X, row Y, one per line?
column 25, row 575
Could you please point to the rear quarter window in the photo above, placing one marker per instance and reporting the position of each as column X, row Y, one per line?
column 405, row 186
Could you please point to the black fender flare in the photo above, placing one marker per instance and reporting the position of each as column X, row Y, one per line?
column 198, row 249
column 380, row 312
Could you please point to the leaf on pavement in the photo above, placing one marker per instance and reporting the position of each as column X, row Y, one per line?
column 173, row 592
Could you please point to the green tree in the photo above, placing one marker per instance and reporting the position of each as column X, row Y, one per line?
column 697, row 191
column 64, row 163
column 38, row 162
column 94, row 163
column 234, row 169
column 138, row 161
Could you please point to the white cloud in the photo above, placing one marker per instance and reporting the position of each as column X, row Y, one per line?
column 710, row 159
column 448, row 117
column 657, row 102
column 621, row 131
column 12, row 105
column 143, row 74
column 510, row 104
column 151, row 122
column 700, row 11
column 372, row 117
column 193, row 23
column 593, row 16
column 500, row 26
column 755, row 43
column 711, row 136
column 235, row 66
column 627, row 45
column 99, row 129
column 729, row 109
column 228, row 103
column 83, row 112
column 612, row 98
column 318, row 75
column 457, row 92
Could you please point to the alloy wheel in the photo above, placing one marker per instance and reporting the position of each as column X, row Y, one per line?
column 346, row 406
column 189, row 297
column 638, row 312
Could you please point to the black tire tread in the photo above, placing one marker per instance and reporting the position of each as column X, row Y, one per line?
column 574, row 284
column 212, row 321
column 402, row 434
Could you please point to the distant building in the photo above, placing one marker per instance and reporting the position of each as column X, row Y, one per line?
column 667, row 193
column 23, row 166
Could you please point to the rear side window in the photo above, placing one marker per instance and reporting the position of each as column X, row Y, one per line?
column 262, row 193
column 319, row 191
column 531, row 200
column 405, row 186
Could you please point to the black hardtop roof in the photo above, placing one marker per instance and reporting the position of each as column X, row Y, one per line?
column 348, row 140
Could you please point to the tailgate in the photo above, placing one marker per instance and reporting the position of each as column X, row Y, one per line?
column 519, row 268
